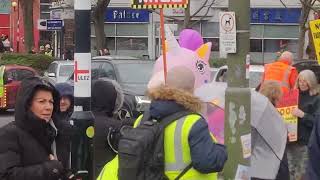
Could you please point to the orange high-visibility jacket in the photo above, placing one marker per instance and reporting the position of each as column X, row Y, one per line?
column 281, row 72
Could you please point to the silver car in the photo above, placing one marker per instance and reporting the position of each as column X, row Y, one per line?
column 59, row 71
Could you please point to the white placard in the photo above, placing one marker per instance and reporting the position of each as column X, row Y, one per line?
column 82, row 74
column 228, row 32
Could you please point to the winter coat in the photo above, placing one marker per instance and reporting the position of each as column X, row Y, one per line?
column 166, row 101
column 107, row 99
column 313, row 168
column 65, row 129
column 27, row 142
column 310, row 105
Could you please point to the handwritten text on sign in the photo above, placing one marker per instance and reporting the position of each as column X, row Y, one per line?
column 288, row 102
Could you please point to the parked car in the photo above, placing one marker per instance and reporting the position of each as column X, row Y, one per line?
column 59, row 71
column 255, row 74
column 11, row 76
column 308, row 64
column 133, row 76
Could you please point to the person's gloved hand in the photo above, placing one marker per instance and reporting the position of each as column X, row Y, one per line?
column 54, row 168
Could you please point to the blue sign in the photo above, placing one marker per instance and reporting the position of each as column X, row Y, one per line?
column 275, row 15
column 54, row 24
column 126, row 15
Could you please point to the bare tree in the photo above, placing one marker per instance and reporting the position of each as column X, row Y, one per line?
column 27, row 10
column 306, row 7
column 98, row 11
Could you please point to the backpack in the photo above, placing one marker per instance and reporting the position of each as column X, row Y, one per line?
column 141, row 149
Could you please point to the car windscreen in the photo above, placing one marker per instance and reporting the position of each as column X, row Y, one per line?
column 66, row 70
column 131, row 73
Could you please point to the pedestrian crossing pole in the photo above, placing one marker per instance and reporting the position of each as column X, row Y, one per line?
column 82, row 118
column 238, row 98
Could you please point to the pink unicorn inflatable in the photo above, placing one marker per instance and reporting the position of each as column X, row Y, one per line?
column 197, row 61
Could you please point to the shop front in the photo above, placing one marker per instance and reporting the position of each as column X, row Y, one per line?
column 127, row 32
column 273, row 30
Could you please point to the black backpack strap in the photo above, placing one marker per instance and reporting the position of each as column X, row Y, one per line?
column 173, row 117
column 184, row 171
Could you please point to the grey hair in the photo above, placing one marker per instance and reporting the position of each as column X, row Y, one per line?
column 311, row 79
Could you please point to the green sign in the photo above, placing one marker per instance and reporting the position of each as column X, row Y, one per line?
column 5, row 6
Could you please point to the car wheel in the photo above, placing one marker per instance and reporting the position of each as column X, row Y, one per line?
column 124, row 113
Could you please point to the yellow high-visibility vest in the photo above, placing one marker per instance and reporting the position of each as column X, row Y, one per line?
column 2, row 68
column 176, row 150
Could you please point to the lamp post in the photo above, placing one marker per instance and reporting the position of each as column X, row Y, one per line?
column 12, row 20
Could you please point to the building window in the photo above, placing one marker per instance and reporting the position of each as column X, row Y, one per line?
column 132, row 43
column 255, row 45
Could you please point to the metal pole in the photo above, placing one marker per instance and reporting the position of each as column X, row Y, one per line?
column 82, row 118
column 238, row 96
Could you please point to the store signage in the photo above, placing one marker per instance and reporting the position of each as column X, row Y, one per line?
column 126, row 15
column 145, row 4
column 275, row 15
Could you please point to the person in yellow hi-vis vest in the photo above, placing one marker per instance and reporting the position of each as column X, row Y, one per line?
column 187, row 140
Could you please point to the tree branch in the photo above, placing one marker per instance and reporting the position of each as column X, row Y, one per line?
column 168, row 17
column 204, row 16
column 309, row 5
column 283, row 3
column 203, row 5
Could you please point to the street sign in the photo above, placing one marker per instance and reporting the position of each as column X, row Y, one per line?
column 82, row 74
column 315, row 30
column 228, row 36
column 54, row 24
column 159, row 4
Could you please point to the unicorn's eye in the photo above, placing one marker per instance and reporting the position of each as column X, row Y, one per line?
column 200, row 66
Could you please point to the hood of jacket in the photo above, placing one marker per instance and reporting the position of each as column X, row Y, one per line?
column 107, row 96
column 66, row 90
column 167, row 100
column 26, row 120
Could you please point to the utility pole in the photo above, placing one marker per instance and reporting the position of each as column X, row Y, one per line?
column 82, row 118
column 238, row 96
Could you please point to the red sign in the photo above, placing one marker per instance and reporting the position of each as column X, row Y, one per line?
column 289, row 102
column 78, row 71
column 145, row 4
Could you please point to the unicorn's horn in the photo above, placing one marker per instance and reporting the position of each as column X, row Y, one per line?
column 171, row 42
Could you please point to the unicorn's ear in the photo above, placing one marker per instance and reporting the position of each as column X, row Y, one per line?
column 172, row 44
column 204, row 51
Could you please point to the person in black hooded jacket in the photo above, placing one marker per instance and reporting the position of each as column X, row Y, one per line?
column 61, row 120
column 27, row 146
column 107, row 99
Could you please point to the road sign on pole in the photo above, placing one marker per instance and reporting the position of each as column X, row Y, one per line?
column 54, row 24
column 228, row 35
